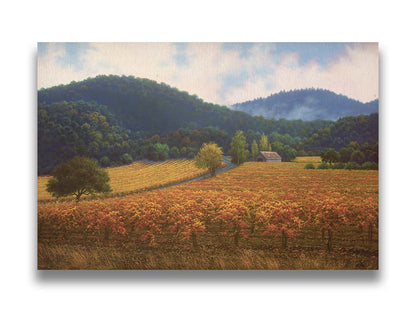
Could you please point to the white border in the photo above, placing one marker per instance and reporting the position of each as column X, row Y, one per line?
column 24, row 24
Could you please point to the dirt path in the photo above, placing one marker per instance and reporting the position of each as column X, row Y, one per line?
column 228, row 167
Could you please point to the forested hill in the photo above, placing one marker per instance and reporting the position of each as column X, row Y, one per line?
column 156, row 108
column 145, row 105
column 360, row 129
column 306, row 104
column 108, row 117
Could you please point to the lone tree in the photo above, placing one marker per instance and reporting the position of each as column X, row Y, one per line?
column 77, row 177
column 239, row 153
column 210, row 157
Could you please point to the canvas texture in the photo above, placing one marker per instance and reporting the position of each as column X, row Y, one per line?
column 208, row 156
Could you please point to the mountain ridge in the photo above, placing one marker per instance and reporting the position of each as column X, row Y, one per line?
column 306, row 104
column 152, row 107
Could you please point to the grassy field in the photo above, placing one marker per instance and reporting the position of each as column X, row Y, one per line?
column 256, row 216
column 140, row 175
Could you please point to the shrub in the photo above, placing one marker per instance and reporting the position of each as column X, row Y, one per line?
column 174, row 152
column 301, row 153
column 160, row 152
column 190, row 152
column 344, row 154
column 126, row 159
column 352, row 166
column 369, row 165
column 357, row 157
column 309, row 166
column 323, row 166
column 105, row 161
column 330, row 155
column 338, row 165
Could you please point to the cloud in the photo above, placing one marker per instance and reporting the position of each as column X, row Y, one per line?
column 208, row 65
column 50, row 71
column 218, row 73
column 142, row 60
column 353, row 73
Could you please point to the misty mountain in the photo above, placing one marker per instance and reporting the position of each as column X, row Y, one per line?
column 306, row 104
column 138, row 104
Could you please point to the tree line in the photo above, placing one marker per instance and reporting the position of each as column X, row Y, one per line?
column 69, row 129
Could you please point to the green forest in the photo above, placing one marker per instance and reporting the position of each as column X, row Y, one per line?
column 119, row 119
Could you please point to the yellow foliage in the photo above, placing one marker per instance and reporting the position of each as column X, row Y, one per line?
column 141, row 175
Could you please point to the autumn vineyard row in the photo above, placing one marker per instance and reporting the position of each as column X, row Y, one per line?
column 140, row 176
column 277, row 202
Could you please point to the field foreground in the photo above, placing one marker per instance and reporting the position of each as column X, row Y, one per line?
column 67, row 257
column 256, row 216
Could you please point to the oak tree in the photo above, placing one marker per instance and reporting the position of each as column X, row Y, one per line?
column 79, row 176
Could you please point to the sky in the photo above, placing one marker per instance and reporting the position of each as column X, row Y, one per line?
column 220, row 73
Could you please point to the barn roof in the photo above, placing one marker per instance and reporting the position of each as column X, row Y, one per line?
column 270, row 155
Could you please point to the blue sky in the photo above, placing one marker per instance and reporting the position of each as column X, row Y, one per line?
column 222, row 73
column 322, row 52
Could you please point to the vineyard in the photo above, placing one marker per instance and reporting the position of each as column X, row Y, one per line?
column 140, row 176
column 254, row 215
column 308, row 159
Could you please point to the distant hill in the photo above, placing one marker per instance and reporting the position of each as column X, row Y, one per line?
column 144, row 105
column 306, row 104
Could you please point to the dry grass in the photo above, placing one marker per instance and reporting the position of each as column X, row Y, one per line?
column 307, row 252
column 110, row 258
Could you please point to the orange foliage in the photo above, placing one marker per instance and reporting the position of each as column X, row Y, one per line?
column 263, row 198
